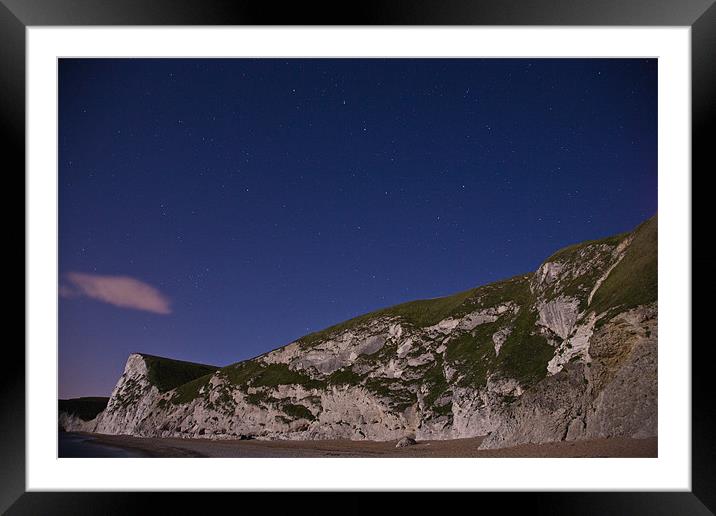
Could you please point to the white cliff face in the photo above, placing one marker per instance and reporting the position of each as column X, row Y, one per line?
column 471, row 320
column 132, row 398
column 548, row 273
column 410, row 373
column 576, row 346
column 354, row 413
column 499, row 338
column 338, row 352
column 481, row 415
column 559, row 315
column 474, row 414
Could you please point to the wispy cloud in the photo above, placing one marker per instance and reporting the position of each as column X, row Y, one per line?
column 121, row 291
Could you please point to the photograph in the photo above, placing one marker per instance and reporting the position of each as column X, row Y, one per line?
column 357, row 257
column 433, row 247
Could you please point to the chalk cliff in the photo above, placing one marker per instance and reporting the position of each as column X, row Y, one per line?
column 566, row 352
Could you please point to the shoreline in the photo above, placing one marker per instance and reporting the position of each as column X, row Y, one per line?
column 453, row 448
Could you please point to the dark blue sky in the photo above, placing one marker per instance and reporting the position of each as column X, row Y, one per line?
column 269, row 198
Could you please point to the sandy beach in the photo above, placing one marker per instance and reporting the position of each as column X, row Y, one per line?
column 176, row 447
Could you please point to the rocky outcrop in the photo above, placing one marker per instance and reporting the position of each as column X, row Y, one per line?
column 574, row 347
column 624, row 376
column 564, row 353
column 612, row 395
column 559, row 315
column 404, row 442
column 132, row 400
column 552, row 411
column 73, row 423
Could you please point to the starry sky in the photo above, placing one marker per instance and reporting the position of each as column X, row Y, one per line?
column 213, row 209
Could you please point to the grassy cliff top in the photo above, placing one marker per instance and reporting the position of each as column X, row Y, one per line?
column 426, row 312
column 633, row 281
column 568, row 254
column 166, row 374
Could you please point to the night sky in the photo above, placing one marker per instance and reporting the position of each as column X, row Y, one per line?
column 213, row 209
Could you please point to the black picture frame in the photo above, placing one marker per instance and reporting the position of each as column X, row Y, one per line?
column 700, row 15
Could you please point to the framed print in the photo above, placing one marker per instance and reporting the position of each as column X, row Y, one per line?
column 413, row 249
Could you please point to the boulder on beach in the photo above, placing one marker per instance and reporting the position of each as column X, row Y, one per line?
column 405, row 441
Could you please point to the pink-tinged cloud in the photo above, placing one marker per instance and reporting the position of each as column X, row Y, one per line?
column 121, row 291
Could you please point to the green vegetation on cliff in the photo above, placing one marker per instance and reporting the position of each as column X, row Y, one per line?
column 167, row 374
column 633, row 281
column 526, row 352
column 249, row 373
column 427, row 312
